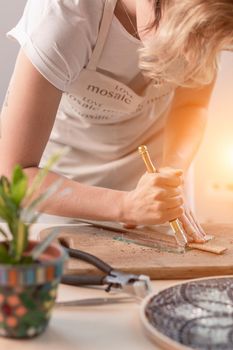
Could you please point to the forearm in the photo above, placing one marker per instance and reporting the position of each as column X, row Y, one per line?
column 82, row 201
column 183, row 135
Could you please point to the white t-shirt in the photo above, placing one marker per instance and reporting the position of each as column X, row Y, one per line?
column 101, row 117
column 58, row 36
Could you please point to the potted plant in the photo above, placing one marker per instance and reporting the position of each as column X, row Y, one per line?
column 28, row 281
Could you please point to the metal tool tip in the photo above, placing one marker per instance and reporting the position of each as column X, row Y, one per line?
column 142, row 149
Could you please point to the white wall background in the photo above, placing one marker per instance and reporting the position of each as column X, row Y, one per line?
column 10, row 11
column 214, row 163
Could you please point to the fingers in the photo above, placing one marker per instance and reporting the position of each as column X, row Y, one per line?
column 169, row 192
column 199, row 228
column 162, row 216
column 156, row 199
column 169, row 180
column 185, row 225
column 174, row 202
column 173, row 214
column 191, row 229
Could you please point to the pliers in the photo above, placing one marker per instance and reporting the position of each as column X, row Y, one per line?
column 133, row 284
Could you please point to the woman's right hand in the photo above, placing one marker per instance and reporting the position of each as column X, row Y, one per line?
column 156, row 199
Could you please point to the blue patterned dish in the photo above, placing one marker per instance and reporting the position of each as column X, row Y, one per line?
column 194, row 315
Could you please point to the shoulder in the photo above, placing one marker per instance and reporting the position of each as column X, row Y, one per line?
column 73, row 7
column 67, row 10
column 58, row 36
column 86, row 5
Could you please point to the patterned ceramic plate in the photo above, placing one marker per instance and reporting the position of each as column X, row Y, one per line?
column 193, row 315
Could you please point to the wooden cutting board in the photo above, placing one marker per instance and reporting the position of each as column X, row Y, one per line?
column 138, row 259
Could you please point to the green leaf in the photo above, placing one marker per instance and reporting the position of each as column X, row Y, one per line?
column 15, row 196
column 4, row 233
column 5, row 185
column 4, row 257
column 18, row 185
column 17, row 175
column 20, row 240
column 4, row 213
column 8, row 208
column 37, row 251
column 18, row 191
column 13, row 227
column 26, row 260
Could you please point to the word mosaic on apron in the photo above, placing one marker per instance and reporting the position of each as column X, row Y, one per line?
column 103, row 103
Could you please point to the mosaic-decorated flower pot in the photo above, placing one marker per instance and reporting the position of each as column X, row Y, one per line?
column 28, row 293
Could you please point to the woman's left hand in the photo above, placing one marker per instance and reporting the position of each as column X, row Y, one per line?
column 192, row 228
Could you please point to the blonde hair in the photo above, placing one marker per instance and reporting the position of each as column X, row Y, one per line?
column 185, row 47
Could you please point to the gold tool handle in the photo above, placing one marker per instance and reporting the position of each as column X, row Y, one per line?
column 146, row 157
column 175, row 225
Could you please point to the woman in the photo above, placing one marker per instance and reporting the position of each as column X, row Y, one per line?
column 77, row 82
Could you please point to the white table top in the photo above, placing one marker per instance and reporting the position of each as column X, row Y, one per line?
column 105, row 327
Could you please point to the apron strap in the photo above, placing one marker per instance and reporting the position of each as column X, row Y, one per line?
column 108, row 12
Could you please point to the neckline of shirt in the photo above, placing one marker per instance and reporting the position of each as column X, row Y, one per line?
column 126, row 33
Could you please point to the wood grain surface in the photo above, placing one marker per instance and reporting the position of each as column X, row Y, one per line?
column 138, row 259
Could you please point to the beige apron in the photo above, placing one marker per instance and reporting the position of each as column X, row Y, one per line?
column 104, row 121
